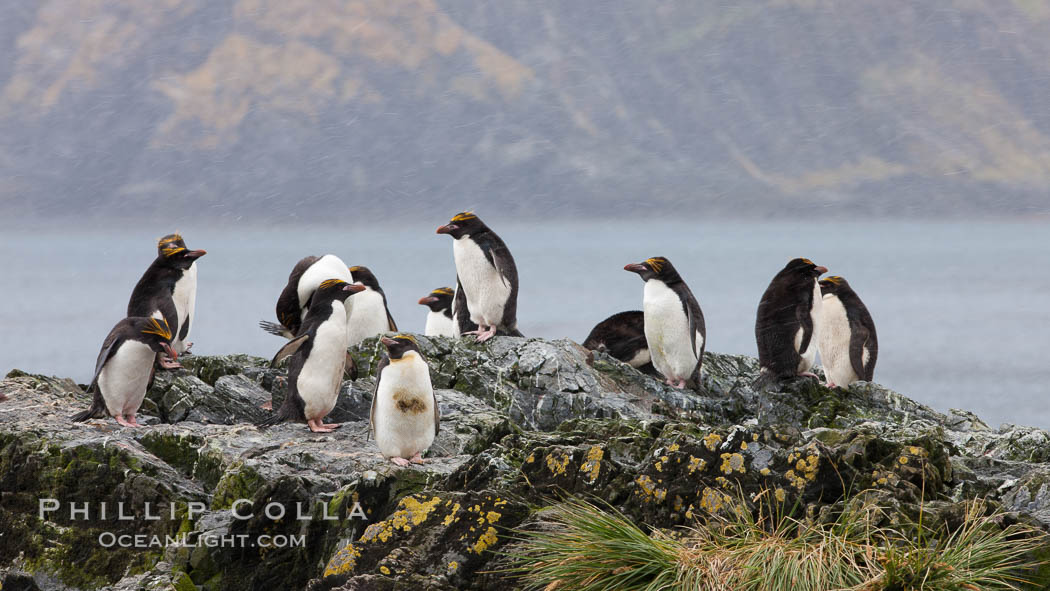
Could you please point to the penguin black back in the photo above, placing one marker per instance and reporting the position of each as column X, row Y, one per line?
column 622, row 335
column 154, row 290
column 784, row 310
column 366, row 277
column 289, row 308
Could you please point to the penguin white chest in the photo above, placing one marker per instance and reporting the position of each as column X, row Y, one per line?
column 404, row 423
column 368, row 317
column 834, row 342
column 439, row 325
column 185, row 299
column 322, row 373
column 667, row 331
column 487, row 290
column 124, row 377
column 809, row 356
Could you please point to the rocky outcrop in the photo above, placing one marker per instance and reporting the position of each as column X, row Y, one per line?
column 212, row 502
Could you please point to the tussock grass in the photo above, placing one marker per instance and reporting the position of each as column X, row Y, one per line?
column 583, row 547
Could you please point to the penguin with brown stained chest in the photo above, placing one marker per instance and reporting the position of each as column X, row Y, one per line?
column 787, row 326
column 405, row 417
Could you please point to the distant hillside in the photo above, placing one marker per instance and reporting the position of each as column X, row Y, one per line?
column 308, row 107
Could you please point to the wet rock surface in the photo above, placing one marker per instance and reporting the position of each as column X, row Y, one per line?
column 525, row 422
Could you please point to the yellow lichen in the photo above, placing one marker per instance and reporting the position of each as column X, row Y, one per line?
column 592, row 464
column 732, row 462
column 779, row 494
column 530, row 459
column 557, row 465
column 764, row 471
column 453, row 567
column 451, row 516
column 743, row 445
column 493, row 516
column 411, row 513
column 712, row 500
column 384, row 570
column 696, row 463
column 343, row 562
column 649, row 490
column 673, row 447
column 712, row 440
column 487, row 540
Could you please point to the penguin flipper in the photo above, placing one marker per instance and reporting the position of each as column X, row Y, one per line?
column 437, row 413
column 858, row 340
column 807, row 328
column 275, row 329
column 389, row 319
column 289, row 349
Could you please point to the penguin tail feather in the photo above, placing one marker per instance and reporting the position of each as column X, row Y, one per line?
column 92, row 413
column 275, row 419
column 274, row 328
column 764, row 381
column 514, row 332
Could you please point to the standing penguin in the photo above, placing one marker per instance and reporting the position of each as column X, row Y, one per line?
column 168, row 290
column 487, row 274
column 370, row 315
column 405, row 417
column 622, row 336
column 788, row 324
column 848, row 345
column 439, row 319
column 318, row 356
column 674, row 323
column 294, row 300
column 124, row 366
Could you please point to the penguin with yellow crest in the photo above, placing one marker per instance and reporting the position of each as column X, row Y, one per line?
column 405, row 417
column 440, row 322
column 318, row 354
column 124, row 367
column 168, row 290
column 848, row 344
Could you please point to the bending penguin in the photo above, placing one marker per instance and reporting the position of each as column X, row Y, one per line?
column 788, row 324
column 318, row 356
column 848, row 345
column 439, row 319
column 123, row 368
column 370, row 315
column 303, row 281
column 486, row 272
column 405, row 417
column 674, row 323
column 622, row 335
column 168, row 290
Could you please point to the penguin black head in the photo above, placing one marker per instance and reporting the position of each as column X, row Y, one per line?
column 833, row 284
column 804, row 268
column 155, row 333
column 438, row 300
column 400, row 344
column 335, row 289
column 655, row 268
column 365, row 277
column 172, row 250
column 463, row 224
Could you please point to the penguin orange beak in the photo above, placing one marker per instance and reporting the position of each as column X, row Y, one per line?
column 388, row 341
column 821, row 270
column 196, row 254
column 354, row 287
column 427, row 300
column 634, row 268
column 447, row 228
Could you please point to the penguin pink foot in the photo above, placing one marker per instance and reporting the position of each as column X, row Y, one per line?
column 188, row 347
column 417, row 459
column 831, row 384
column 680, row 384
column 134, row 422
column 487, row 334
column 318, row 427
column 400, row 461
column 169, row 363
column 122, row 421
column 808, row 374
column 268, row 405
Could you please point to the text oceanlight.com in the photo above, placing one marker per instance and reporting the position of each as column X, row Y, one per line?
column 111, row 540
